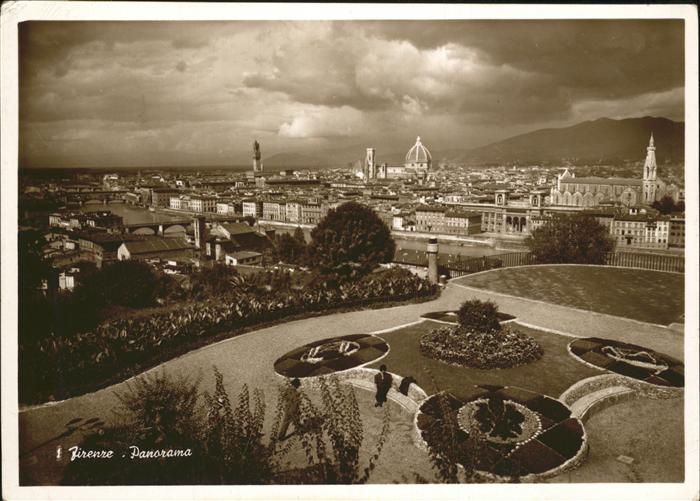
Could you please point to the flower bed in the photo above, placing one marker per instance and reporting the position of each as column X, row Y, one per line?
column 557, row 444
column 58, row 365
column 327, row 356
column 504, row 349
column 631, row 361
column 521, row 424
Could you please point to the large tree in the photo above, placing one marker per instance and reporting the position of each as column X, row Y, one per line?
column 350, row 239
column 126, row 283
column 291, row 249
column 667, row 205
column 578, row 238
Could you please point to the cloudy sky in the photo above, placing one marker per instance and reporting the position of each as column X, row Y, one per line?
column 188, row 93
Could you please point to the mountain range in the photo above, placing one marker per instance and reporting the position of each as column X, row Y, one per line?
column 595, row 142
column 602, row 141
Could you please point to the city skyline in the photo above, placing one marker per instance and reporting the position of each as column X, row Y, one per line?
column 188, row 93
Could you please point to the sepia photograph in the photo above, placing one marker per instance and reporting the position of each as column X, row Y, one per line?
column 278, row 247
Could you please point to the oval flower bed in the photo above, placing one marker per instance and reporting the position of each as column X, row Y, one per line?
column 524, row 433
column 630, row 360
column 331, row 355
column 480, row 350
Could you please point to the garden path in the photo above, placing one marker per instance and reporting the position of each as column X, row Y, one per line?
column 249, row 358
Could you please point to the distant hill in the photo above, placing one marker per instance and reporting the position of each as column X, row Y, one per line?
column 599, row 141
column 293, row 161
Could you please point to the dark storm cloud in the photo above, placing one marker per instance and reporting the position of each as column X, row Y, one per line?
column 191, row 86
column 536, row 69
column 593, row 57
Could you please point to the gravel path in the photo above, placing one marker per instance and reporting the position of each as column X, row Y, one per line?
column 249, row 359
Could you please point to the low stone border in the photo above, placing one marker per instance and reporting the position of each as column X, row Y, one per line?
column 593, row 384
column 363, row 377
column 602, row 400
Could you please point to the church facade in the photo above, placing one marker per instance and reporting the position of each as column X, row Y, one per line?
column 594, row 191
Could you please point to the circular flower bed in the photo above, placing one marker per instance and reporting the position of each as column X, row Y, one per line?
column 524, row 433
column 331, row 355
column 630, row 360
column 510, row 422
column 500, row 350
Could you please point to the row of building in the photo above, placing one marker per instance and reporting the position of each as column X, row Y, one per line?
column 631, row 227
column 297, row 211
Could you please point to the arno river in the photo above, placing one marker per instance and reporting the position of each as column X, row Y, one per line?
column 131, row 214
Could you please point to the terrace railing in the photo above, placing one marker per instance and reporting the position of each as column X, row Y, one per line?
column 657, row 262
column 456, row 266
column 465, row 266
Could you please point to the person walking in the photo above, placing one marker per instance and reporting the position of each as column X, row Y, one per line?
column 383, row 381
column 292, row 415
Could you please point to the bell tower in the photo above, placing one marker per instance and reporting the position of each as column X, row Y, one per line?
column 649, row 175
column 370, row 167
column 257, row 164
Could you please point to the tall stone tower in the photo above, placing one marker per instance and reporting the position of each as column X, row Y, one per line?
column 432, row 251
column 199, row 224
column 257, row 164
column 649, row 179
column 370, row 166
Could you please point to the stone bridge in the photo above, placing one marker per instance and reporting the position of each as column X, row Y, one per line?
column 103, row 197
column 157, row 227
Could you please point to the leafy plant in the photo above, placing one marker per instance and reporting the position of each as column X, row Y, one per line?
column 498, row 419
column 333, row 449
column 479, row 316
column 235, row 451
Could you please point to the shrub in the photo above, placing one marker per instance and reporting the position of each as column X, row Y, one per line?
column 478, row 316
column 158, row 412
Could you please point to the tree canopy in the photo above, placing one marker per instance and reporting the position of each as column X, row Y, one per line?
column 578, row 238
column 350, row 239
column 126, row 283
column 291, row 249
column 667, row 205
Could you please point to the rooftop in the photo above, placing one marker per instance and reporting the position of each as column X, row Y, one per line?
column 602, row 180
column 157, row 245
column 237, row 228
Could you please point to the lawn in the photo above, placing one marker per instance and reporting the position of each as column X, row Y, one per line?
column 649, row 296
column 551, row 375
column 615, row 431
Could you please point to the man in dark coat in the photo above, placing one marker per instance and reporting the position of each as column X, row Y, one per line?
column 383, row 381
